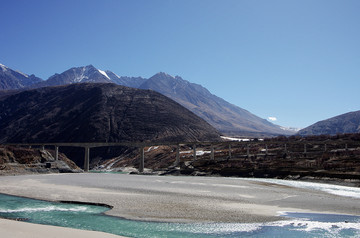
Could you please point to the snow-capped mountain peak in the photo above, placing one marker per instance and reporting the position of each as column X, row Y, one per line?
column 14, row 79
column 81, row 74
column 5, row 68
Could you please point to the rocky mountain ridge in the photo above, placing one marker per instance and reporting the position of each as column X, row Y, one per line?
column 12, row 79
column 229, row 119
column 344, row 123
column 224, row 116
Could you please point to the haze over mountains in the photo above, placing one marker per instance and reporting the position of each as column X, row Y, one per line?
column 227, row 118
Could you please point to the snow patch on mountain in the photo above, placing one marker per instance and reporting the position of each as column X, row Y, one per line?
column 25, row 75
column 104, row 73
column 80, row 77
column 3, row 67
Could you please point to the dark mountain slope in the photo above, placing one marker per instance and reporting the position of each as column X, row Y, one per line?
column 97, row 113
column 224, row 116
column 11, row 79
column 345, row 123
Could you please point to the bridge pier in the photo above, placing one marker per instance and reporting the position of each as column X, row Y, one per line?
column 266, row 149
column 248, row 150
column 56, row 152
column 142, row 156
column 87, row 159
column 194, row 152
column 229, row 151
column 212, row 152
column 177, row 161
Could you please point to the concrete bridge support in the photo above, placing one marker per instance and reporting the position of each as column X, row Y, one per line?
column 142, row 156
column 266, row 149
column 87, row 159
column 212, row 156
column 194, row 151
column 177, row 161
column 56, row 152
column 229, row 151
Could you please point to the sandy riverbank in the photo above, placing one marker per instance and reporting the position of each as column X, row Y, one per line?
column 179, row 199
column 16, row 229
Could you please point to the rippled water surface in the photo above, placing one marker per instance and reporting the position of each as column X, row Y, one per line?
column 91, row 217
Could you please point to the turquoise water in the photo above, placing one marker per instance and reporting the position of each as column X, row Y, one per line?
column 90, row 217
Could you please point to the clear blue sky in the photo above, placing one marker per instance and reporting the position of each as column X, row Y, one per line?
column 298, row 61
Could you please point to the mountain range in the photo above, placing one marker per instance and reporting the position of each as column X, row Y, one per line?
column 12, row 79
column 344, row 123
column 229, row 119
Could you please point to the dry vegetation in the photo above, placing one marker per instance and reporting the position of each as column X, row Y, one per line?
column 282, row 157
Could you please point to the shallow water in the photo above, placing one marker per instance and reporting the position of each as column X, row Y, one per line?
column 91, row 217
column 339, row 190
